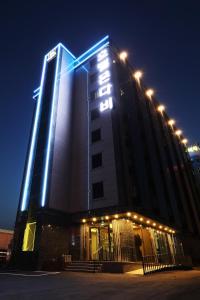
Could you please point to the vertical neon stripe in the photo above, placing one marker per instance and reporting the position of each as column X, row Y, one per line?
column 33, row 144
column 50, row 137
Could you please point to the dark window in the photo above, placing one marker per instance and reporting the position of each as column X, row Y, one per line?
column 96, row 160
column 95, row 113
column 93, row 77
column 93, row 95
column 93, row 62
column 97, row 190
column 96, row 135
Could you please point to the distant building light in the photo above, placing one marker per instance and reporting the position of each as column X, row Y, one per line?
column 154, row 224
column 94, row 219
column 141, row 219
column 123, row 55
column 128, row 214
column 116, row 216
column 148, row 222
column 135, row 216
column 160, row 227
column 84, row 220
column 193, row 148
column 107, row 217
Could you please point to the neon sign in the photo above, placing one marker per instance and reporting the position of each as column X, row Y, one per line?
column 105, row 86
column 51, row 54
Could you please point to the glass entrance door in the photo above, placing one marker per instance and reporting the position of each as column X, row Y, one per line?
column 94, row 232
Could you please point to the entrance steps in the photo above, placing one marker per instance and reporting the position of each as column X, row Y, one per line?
column 84, row 266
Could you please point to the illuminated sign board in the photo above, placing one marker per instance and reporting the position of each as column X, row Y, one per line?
column 193, row 149
column 104, row 77
column 51, row 54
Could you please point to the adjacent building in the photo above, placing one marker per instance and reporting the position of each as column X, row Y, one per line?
column 107, row 174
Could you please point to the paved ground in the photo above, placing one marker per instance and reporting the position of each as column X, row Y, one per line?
column 181, row 285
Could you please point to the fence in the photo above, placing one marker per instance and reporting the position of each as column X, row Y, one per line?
column 152, row 263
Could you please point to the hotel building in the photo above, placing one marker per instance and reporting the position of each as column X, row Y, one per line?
column 107, row 175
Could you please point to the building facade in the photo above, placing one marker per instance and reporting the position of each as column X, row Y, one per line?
column 107, row 174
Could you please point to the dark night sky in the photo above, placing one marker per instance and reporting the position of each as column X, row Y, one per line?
column 162, row 38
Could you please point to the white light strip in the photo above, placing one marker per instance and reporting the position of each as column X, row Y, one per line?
column 44, row 188
column 33, row 143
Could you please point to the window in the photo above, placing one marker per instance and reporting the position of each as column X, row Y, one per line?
column 97, row 190
column 95, row 114
column 96, row 160
column 29, row 237
column 93, row 62
column 94, row 95
column 93, row 77
column 96, row 135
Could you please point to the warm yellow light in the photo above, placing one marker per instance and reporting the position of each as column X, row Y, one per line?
column 154, row 224
column 149, row 93
column 128, row 214
column 148, row 222
column 123, row 55
column 173, row 231
column 178, row 132
column 165, row 228
column 160, row 227
column 135, row 216
column 116, row 216
column 84, row 220
column 138, row 75
column 171, row 122
column 94, row 219
column 107, row 217
column 184, row 141
column 141, row 219
column 161, row 108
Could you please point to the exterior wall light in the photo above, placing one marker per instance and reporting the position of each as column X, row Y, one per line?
column 160, row 227
column 116, row 216
column 128, row 214
column 94, row 219
column 165, row 228
column 141, row 219
column 123, row 56
column 178, row 132
column 161, row 108
column 138, row 75
column 148, row 222
column 84, row 220
column 184, row 141
column 107, row 217
column 171, row 122
column 135, row 216
column 150, row 93
column 154, row 224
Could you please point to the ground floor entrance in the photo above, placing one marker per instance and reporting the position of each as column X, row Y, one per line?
column 124, row 240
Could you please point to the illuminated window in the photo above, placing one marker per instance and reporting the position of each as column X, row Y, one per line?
column 29, row 237
column 96, row 160
column 96, row 135
column 95, row 114
column 97, row 190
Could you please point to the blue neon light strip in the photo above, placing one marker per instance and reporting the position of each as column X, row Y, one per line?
column 86, row 55
column 47, row 160
column 33, row 144
column 78, row 62
column 36, row 90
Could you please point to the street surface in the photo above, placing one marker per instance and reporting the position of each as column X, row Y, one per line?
column 181, row 285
